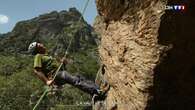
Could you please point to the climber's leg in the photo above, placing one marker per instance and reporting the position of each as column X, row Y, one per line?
column 77, row 81
column 101, row 80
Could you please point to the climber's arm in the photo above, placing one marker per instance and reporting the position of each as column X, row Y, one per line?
column 42, row 77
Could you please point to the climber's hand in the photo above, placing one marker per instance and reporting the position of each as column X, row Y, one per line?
column 49, row 82
column 64, row 60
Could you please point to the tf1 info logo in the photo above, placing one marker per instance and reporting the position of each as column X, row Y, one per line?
column 175, row 7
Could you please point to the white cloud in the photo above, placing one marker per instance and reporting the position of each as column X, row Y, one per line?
column 3, row 19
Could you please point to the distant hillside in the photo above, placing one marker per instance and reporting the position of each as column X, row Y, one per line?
column 19, row 88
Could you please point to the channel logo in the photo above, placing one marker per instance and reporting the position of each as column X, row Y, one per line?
column 175, row 7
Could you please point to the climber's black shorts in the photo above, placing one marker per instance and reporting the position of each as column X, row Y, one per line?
column 78, row 81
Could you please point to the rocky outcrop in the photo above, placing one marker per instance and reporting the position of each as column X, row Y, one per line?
column 54, row 29
column 148, row 57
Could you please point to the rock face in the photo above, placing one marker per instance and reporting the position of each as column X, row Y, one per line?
column 149, row 58
column 130, row 50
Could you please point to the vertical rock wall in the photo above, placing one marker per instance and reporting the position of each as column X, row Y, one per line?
column 129, row 49
column 149, row 58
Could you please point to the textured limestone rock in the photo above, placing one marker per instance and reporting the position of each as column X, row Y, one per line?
column 129, row 49
column 149, row 58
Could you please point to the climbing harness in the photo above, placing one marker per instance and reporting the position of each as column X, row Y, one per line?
column 48, row 88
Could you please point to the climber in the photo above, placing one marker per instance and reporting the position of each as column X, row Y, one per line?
column 45, row 67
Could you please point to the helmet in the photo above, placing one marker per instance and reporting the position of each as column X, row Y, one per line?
column 32, row 47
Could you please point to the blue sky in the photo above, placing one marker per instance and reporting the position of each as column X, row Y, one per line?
column 18, row 10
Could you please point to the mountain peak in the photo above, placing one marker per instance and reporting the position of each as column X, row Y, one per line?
column 54, row 29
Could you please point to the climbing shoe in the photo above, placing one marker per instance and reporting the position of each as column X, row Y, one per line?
column 101, row 93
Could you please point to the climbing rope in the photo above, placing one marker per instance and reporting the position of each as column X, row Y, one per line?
column 48, row 89
column 85, row 7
